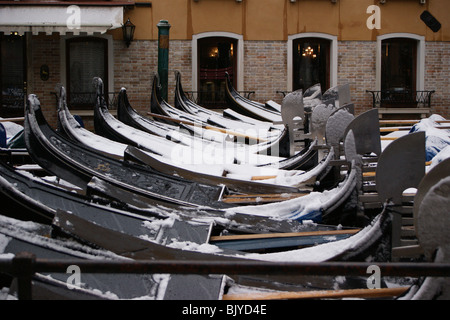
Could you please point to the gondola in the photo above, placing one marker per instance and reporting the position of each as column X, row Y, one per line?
column 28, row 197
column 182, row 102
column 305, row 159
column 129, row 116
column 117, row 246
column 160, row 126
column 120, row 150
column 237, row 178
column 248, row 107
column 208, row 151
column 33, row 199
column 215, row 137
column 98, row 225
column 19, row 237
column 258, row 186
column 110, row 127
column 356, row 248
column 79, row 165
column 70, row 128
column 262, row 130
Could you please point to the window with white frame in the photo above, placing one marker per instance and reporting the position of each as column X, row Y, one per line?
column 312, row 59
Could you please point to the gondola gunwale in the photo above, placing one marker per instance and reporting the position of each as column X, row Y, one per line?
column 236, row 185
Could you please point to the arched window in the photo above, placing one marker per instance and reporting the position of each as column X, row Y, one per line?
column 400, row 62
column 312, row 59
column 311, row 63
column 214, row 54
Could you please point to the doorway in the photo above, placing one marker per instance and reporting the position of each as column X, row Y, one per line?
column 216, row 57
column 13, row 75
column 311, row 63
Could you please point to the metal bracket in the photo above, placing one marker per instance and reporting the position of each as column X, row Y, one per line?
column 366, row 127
column 400, row 166
column 293, row 115
column 335, row 128
column 431, row 179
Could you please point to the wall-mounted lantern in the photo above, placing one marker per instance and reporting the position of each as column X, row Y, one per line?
column 128, row 32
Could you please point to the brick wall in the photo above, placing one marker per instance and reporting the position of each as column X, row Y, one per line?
column 134, row 68
column 356, row 66
column 45, row 50
column 180, row 59
column 437, row 73
column 265, row 69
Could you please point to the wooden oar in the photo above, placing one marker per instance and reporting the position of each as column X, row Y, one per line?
column 320, row 294
column 408, row 121
column 407, row 128
column 18, row 119
column 226, row 131
column 282, row 235
column 388, row 138
column 255, row 178
column 261, row 198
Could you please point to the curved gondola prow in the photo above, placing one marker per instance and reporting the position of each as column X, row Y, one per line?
column 62, row 111
column 99, row 90
column 182, row 101
column 100, row 104
column 233, row 92
column 60, row 107
column 247, row 107
column 180, row 96
column 156, row 98
column 33, row 125
column 122, row 105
